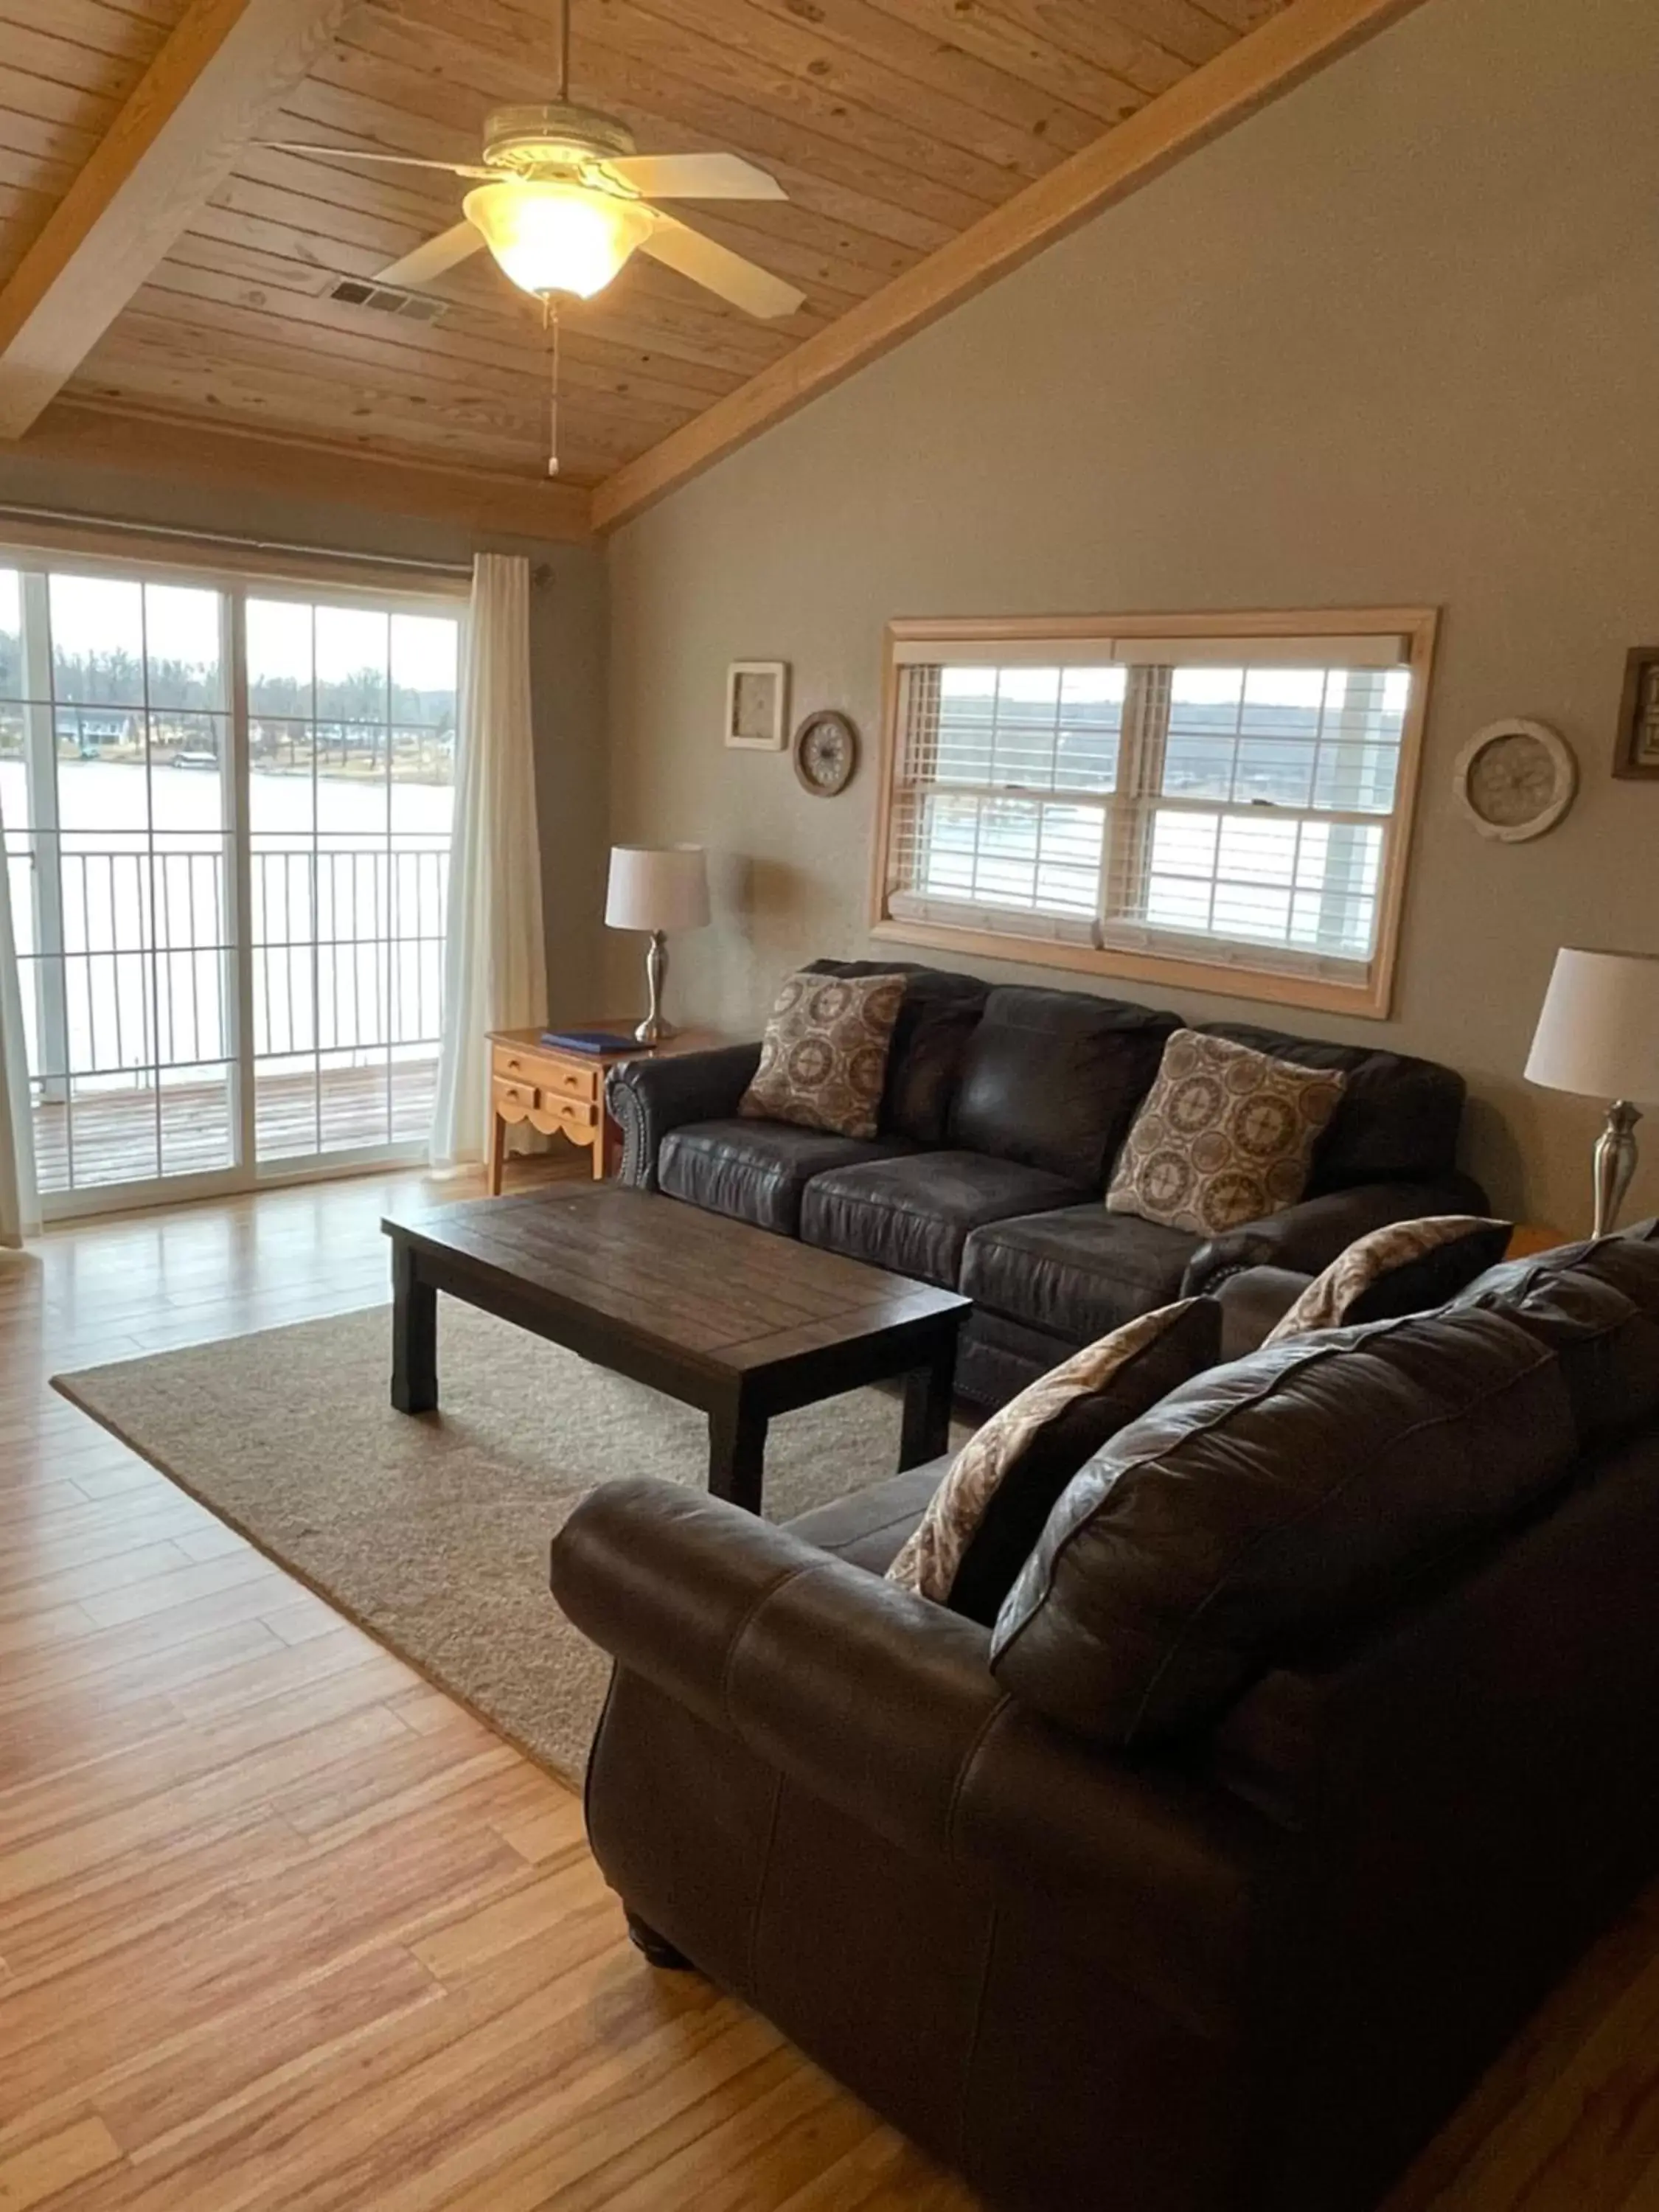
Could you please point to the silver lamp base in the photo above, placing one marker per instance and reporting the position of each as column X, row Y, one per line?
column 654, row 1029
column 1615, row 1163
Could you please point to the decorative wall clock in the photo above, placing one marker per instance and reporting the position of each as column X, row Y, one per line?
column 1516, row 779
column 826, row 752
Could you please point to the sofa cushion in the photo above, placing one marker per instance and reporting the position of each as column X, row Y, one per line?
column 913, row 1215
column 997, row 1358
column 1226, row 1135
column 823, row 1058
column 989, row 1507
column 939, row 1012
column 1399, row 1118
column 1052, row 1079
column 1596, row 1305
column 756, row 1170
column 1078, row 1272
column 1406, row 1267
column 1269, row 1506
column 868, row 1527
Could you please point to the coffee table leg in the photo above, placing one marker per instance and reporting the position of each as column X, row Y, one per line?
column 928, row 1398
column 737, row 1455
column 414, row 1337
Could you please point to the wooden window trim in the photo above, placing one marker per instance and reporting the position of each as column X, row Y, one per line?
column 175, row 557
column 1371, row 1000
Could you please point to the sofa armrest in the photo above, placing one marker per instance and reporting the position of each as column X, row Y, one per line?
column 1253, row 1301
column 883, row 1704
column 646, row 1098
column 1307, row 1236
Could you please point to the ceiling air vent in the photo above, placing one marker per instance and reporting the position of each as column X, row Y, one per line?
column 387, row 300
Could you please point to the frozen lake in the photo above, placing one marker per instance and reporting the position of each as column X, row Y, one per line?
column 111, row 795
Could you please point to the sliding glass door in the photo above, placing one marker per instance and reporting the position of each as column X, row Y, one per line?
column 351, row 741
column 114, row 742
column 226, row 814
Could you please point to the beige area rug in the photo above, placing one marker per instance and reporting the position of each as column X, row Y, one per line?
column 432, row 1532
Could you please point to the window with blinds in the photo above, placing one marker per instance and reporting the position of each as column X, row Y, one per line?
column 1239, row 805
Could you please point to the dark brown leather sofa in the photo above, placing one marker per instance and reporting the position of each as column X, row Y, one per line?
column 1004, row 1112
column 1253, row 1964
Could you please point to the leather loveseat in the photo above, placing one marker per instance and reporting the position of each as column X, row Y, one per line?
column 1004, row 1112
column 1252, row 1965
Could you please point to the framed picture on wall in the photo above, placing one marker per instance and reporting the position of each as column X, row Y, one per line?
column 1637, row 751
column 756, row 703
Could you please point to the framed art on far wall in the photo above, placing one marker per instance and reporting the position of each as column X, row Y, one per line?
column 757, row 699
column 1638, row 751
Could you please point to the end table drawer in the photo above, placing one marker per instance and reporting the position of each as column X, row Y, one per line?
column 516, row 1098
column 516, row 1067
column 559, row 1080
column 572, row 1114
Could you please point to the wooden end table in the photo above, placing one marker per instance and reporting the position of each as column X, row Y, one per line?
column 717, row 1314
column 1531, row 1238
column 560, row 1090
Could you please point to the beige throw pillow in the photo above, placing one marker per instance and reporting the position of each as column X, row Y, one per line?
column 1225, row 1134
column 824, row 1059
column 1036, row 1444
column 1358, row 1285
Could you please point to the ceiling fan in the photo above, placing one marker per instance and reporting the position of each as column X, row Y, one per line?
column 563, row 201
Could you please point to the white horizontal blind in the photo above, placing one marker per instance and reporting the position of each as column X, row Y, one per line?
column 1236, row 812
column 1004, row 777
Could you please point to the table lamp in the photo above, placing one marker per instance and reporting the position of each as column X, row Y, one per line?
column 657, row 888
column 1598, row 1035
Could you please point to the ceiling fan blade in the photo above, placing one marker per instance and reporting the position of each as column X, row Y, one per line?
column 363, row 154
column 431, row 260
column 742, row 282
column 696, row 177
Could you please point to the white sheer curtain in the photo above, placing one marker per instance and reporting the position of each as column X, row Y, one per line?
column 19, row 1202
column 494, row 962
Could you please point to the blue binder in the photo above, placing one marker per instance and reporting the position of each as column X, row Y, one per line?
column 594, row 1041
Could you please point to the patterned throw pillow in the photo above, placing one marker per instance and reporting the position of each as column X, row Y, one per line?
column 1407, row 1267
column 1225, row 1134
column 823, row 1060
column 984, row 1519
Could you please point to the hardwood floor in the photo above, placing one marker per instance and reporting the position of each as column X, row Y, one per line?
column 279, row 1923
column 281, row 1926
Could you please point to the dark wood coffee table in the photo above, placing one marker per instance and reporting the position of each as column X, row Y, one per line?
column 731, row 1319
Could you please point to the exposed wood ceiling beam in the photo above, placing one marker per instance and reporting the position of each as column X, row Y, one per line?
column 174, row 141
column 1284, row 50
column 482, row 501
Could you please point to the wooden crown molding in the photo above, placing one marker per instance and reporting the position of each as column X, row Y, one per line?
column 1279, row 55
column 221, row 70
column 483, row 502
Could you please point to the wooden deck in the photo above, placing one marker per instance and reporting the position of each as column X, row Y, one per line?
column 117, row 1132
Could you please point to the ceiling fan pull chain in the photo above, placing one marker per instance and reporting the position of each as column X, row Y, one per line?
column 564, row 49
column 550, row 325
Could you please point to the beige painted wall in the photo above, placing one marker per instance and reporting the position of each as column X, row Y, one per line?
column 1396, row 340
column 567, row 648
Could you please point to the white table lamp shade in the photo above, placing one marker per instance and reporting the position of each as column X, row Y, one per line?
column 657, row 887
column 1598, row 1034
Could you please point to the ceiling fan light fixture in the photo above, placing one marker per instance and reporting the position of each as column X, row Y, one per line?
column 555, row 237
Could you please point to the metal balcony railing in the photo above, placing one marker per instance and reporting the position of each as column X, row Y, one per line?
column 128, row 962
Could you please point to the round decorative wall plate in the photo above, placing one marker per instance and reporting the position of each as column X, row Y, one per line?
column 1516, row 779
column 826, row 751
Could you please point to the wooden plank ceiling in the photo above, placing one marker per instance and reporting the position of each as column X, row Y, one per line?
column 893, row 124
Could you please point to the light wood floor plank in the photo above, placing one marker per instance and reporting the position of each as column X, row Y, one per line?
column 41, row 2172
